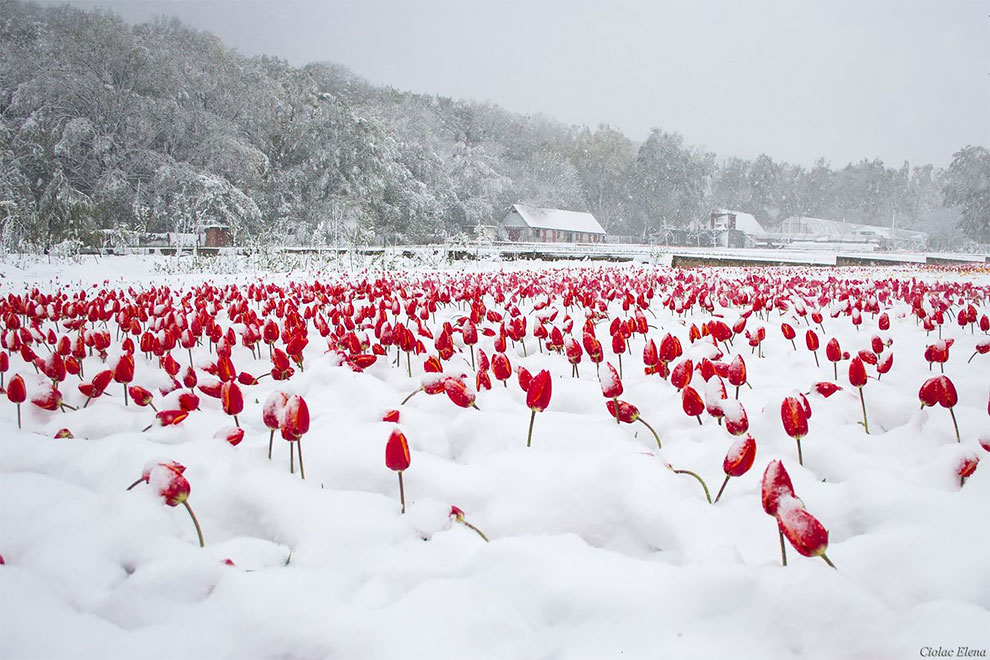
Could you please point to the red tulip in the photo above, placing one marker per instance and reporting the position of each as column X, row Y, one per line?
column 17, row 394
column 942, row 391
column 680, row 375
column 458, row 392
column 834, row 354
column 857, row 378
column 538, row 398
column 458, row 515
column 501, row 368
column 391, row 416
column 736, row 419
column 808, row 536
column 188, row 401
column 794, row 416
column 737, row 373
column 141, row 396
column 271, row 415
column 169, row 418
column 691, row 403
column 63, row 434
column 885, row 363
column 967, row 466
column 47, row 397
column 573, row 351
column 738, row 460
column 123, row 372
column 295, row 424
column 397, row 459
column 230, row 434
column 789, row 334
column 173, row 487
column 825, row 388
column 231, row 399
column 776, row 483
column 982, row 348
column 884, row 322
column 628, row 413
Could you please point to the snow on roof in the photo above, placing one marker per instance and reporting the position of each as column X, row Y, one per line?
column 557, row 219
column 745, row 222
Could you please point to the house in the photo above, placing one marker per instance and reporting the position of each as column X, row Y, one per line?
column 735, row 228
column 819, row 230
column 216, row 236
column 530, row 223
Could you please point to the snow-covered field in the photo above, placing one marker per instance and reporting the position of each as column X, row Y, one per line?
column 597, row 549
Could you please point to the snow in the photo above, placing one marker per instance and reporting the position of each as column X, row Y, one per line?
column 597, row 550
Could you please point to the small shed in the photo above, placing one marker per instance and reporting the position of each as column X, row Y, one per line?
column 217, row 236
column 531, row 223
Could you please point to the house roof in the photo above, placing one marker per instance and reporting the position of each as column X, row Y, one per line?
column 820, row 226
column 537, row 218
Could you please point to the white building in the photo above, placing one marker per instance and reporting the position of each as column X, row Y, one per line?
column 530, row 223
column 820, row 230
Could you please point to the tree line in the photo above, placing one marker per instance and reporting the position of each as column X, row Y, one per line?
column 107, row 128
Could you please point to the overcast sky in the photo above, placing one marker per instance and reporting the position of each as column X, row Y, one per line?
column 796, row 79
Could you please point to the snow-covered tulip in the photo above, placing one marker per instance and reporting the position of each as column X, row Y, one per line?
column 885, row 363
column 391, row 416
column 294, row 423
column 628, row 413
column 857, row 378
column 692, row 403
column 808, row 536
column 537, row 399
column 680, row 375
column 168, row 418
column 170, row 484
column 776, row 485
column 459, row 393
column 736, row 419
column 737, row 373
column 17, row 394
column 188, row 401
column 982, row 348
column 271, row 415
column 397, row 459
column 967, row 466
column 572, row 349
column 457, row 515
column 232, row 435
column 48, row 397
column 501, row 368
column 825, row 389
column 611, row 383
column 63, row 434
column 738, row 460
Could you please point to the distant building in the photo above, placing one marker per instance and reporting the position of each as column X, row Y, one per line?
column 735, row 228
column 820, row 230
column 217, row 236
column 529, row 223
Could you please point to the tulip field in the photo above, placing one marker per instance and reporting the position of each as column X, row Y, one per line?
column 494, row 461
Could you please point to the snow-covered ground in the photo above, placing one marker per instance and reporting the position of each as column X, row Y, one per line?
column 597, row 549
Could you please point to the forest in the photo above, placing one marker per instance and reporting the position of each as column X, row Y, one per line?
column 107, row 129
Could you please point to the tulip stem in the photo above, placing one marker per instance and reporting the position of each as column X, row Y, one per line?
column 817, row 363
column 302, row 468
column 800, row 455
column 700, row 481
column 862, row 401
column 199, row 531
column 292, row 458
column 620, row 372
column 955, row 425
column 402, row 492
column 783, row 548
column 828, row 561
column 271, row 440
column 529, row 436
column 18, row 415
column 131, row 487
column 720, row 490
column 411, row 395
column 615, row 402
column 700, row 423
column 652, row 431
column 477, row 531
column 125, row 393
column 236, row 423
